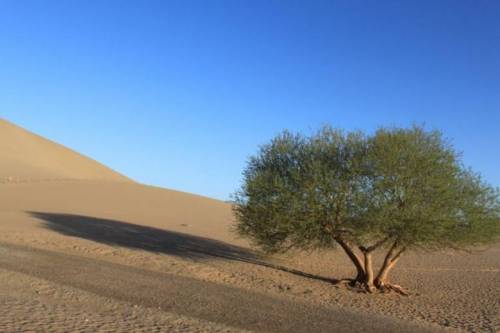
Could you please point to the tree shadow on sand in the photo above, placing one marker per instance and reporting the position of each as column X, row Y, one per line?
column 118, row 233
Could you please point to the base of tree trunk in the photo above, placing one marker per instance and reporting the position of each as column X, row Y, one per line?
column 387, row 287
column 380, row 288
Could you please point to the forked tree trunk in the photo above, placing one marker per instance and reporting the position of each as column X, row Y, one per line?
column 386, row 266
column 365, row 275
column 381, row 279
column 390, row 261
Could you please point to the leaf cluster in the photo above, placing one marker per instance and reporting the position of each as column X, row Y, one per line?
column 406, row 185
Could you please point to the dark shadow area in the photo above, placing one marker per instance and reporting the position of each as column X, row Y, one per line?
column 118, row 233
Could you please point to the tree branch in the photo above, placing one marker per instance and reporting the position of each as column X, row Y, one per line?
column 374, row 246
column 397, row 255
column 350, row 253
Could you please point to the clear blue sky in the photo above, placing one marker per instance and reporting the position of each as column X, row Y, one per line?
column 180, row 93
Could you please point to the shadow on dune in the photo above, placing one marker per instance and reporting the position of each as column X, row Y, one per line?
column 155, row 240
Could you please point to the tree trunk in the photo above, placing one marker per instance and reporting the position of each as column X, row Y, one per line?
column 390, row 261
column 368, row 271
column 381, row 279
column 365, row 276
column 386, row 266
column 360, row 277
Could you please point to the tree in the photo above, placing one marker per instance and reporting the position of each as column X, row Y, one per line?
column 398, row 190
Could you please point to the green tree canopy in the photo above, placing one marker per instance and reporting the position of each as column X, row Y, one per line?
column 397, row 189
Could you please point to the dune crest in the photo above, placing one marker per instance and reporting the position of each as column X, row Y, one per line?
column 26, row 157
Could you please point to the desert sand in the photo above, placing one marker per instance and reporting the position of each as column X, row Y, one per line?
column 26, row 156
column 85, row 249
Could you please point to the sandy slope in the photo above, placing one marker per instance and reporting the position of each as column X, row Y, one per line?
column 26, row 156
column 111, row 220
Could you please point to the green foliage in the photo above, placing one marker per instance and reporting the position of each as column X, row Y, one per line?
column 404, row 185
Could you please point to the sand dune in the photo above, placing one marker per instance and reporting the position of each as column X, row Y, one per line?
column 40, row 175
column 26, row 156
column 56, row 205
